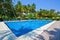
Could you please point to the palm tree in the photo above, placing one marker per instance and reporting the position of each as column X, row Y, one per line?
column 33, row 7
column 18, row 8
column 28, row 8
column 36, row 16
column 51, row 12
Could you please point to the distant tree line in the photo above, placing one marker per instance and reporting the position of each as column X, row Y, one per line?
column 25, row 12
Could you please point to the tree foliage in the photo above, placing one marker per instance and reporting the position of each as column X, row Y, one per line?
column 6, row 9
column 19, row 11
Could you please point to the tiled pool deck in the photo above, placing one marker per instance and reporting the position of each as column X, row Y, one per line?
column 50, row 31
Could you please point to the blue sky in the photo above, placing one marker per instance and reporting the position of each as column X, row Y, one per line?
column 42, row 4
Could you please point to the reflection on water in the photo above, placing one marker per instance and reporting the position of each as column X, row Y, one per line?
column 21, row 31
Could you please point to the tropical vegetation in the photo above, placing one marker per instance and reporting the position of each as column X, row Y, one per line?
column 25, row 12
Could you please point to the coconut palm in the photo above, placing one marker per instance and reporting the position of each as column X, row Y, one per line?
column 18, row 8
column 33, row 7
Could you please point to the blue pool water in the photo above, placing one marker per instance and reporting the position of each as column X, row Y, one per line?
column 22, row 27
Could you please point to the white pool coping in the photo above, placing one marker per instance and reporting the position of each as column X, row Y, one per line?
column 43, row 27
column 3, row 26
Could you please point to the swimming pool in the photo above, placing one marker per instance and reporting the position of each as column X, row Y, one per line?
column 22, row 27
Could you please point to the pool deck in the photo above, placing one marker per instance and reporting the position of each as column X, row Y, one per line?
column 53, row 32
column 50, row 31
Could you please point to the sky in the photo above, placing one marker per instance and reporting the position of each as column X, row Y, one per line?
column 42, row 4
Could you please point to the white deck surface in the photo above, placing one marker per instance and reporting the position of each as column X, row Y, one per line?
column 44, row 33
